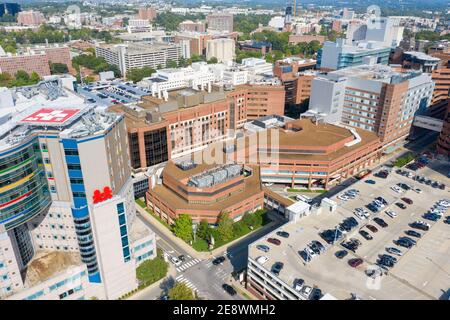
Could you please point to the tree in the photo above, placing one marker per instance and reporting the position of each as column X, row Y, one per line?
column 203, row 230
column 180, row 291
column 225, row 227
column 183, row 227
column 152, row 270
column 250, row 219
column 171, row 64
column 58, row 68
column 21, row 75
column 212, row 60
column 137, row 74
column 34, row 78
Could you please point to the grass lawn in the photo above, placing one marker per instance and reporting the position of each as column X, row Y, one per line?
column 306, row 190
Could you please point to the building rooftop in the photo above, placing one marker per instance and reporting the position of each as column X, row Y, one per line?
column 33, row 109
column 139, row 48
column 252, row 186
column 308, row 134
column 47, row 264
column 138, row 230
column 375, row 72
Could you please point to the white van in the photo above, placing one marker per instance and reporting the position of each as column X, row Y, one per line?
column 262, row 259
column 301, row 197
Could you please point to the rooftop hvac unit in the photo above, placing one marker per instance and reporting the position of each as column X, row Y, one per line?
column 186, row 165
column 233, row 170
column 219, row 175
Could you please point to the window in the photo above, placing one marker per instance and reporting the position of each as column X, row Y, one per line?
column 79, row 194
column 71, row 152
column 73, row 167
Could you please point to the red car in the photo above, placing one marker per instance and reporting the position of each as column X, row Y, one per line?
column 407, row 200
column 274, row 241
column 372, row 228
column 355, row 262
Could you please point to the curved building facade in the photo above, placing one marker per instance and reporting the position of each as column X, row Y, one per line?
column 24, row 192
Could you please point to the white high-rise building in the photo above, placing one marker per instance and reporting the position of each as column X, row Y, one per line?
column 67, row 213
column 223, row 49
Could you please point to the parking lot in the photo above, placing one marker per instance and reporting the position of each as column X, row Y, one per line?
column 422, row 272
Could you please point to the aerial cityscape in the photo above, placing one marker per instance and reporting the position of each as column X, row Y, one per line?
column 205, row 150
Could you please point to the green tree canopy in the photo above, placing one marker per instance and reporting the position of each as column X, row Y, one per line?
column 180, row 291
column 225, row 227
column 152, row 270
column 171, row 64
column 183, row 227
column 212, row 60
column 203, row 230
column 58, row 68
column 138, row 74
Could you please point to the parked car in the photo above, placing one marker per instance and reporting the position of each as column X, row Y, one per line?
column 395, row 251
column 306, row 291
column 283, row 234
column 229, row 289
column 262, row 259
column 400, row 205
column 420, row 226
column 370, row 181
column 316, row 294
column 304, row 256
column 365, row 235
column 380, row 222
column 372, row 228
column 413, row 233
column 277, row 267
column 341, row 254
column 298, row 284
column 262, row 248
column 355, row 262
column 274, row 241
column 391, row 213
column 407, row 200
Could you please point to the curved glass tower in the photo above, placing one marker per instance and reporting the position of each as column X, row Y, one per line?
column 24, row 191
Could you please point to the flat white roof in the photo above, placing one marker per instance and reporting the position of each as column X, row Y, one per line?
column 299, row 207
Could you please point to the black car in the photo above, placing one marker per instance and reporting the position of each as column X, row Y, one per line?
column 350, row 246
column 330, row 236
column 277, row 267
column 382, row 200
column 413, row 233
column 316, row 294
column 304, row 256
column 283, row 234
column 182, row 258
column 431, row 216
column 229, row 289
column 447, row 220
column 400, row 205
column 317, row 247
column 408, row 239
column 403, row 243
column 419, row 226
column 341, row 254
column 218, row 260
column 365, row 234
column 380, row 222
column 388, row 257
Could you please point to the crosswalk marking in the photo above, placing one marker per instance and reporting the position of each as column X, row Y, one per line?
column 188, row 283
column 187, row 265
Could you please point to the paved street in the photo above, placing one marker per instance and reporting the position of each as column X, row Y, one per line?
column 200, row 274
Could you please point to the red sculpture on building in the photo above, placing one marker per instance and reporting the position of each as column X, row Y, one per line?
column 102, row 196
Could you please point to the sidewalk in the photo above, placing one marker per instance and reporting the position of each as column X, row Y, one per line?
column 192, row 252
